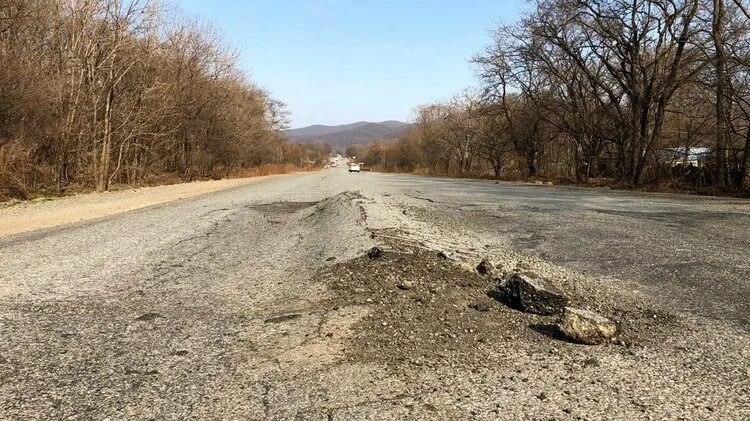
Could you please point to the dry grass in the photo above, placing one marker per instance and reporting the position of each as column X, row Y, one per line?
column 14, row 167
column 14, row 190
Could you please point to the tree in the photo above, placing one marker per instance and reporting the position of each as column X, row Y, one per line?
column 634, row 52
column 95, row 92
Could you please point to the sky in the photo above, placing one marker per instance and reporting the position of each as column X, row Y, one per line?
column 340, row 61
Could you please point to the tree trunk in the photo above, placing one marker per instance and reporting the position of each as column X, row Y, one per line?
column 531, row 163
column 722, row 116
column 743, row 179
column 497, row 168
column 106, row 148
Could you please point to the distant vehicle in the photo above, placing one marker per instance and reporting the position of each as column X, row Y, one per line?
column 354, row 168
column 334, row 164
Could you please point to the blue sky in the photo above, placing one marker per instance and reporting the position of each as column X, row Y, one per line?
column 339, row 61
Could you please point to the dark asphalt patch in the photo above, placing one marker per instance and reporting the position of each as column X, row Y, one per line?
column 281, row 319
column 282, row 208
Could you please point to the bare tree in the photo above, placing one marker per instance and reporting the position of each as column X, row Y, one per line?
column 95, row 92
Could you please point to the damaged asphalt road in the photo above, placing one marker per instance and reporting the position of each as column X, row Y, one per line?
column 260, row 302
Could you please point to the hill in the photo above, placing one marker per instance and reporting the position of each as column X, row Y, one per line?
column 339, row 137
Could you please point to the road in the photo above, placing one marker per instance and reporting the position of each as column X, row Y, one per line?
column 256, row 303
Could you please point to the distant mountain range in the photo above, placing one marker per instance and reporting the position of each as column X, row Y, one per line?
column 339, row 137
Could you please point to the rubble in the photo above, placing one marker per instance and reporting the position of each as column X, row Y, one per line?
column 486, row 267
column 405, row 284
column 586, row 327
column 446, row 255
column 532, row 294
column 375, row 253
column 481, row 307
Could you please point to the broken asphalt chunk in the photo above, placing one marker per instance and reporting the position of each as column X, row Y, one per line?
column 485, row 267
column 586, row 327
column 375, row 253
column 532, row 294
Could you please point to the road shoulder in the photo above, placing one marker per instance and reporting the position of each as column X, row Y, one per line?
column 34, row 215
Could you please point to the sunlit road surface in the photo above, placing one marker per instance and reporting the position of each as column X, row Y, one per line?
column 180, row 310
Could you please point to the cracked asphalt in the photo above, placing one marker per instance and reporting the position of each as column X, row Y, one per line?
column 255, row 303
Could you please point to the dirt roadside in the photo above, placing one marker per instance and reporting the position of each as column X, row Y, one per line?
column 32, row 215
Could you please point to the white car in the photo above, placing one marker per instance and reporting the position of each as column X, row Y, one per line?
column 354, row 168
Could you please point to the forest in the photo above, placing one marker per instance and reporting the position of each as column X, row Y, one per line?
column 637, row 93
column 102, row 93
